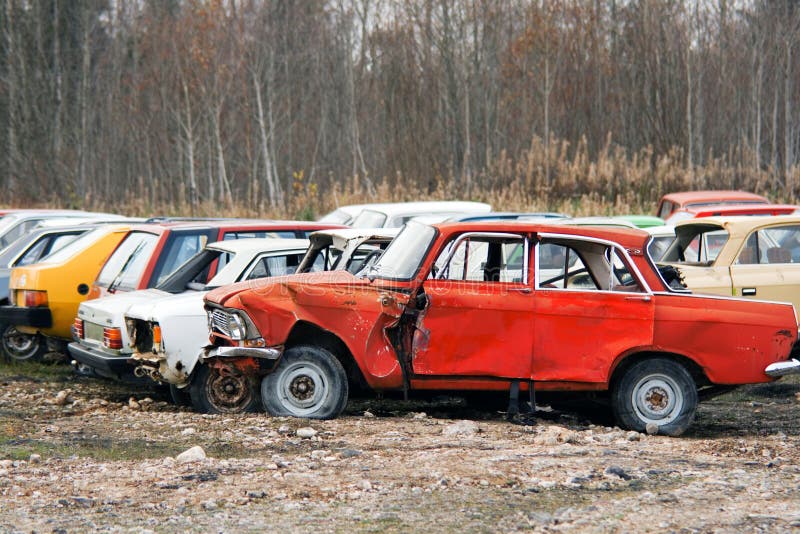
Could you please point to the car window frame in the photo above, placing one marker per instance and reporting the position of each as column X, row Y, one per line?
column 496, row 235
column 620, row 251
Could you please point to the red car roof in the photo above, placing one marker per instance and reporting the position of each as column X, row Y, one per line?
column 627, row 237
column 687, row 197
column 742, row 209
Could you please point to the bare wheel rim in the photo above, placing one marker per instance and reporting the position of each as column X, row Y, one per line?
column 302, row 388
column 20, row 346
column 228, row 392
column 657, row 398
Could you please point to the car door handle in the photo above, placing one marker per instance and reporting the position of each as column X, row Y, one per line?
column 642, row 298
column 748, row 291
column 525, row 290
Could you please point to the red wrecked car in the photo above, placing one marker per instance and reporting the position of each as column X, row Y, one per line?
column 494, row 306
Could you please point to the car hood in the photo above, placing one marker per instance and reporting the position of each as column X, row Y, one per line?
column 109, row 310
column 294, row 283
column 189, row 304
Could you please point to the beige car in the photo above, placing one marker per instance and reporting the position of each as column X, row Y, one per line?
column 756, row 257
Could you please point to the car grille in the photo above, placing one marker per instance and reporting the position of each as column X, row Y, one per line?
column 219, row 319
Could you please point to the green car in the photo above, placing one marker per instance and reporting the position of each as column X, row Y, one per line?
column 642, row 221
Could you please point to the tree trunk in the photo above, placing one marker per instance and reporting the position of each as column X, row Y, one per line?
column 269, row 177
column 11, row 85
column 224, row 185
column 788, row 122
column 188, row 129
column 84, row 96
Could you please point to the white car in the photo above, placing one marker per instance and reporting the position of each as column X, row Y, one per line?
column 243, row 259
column 169, row 333
column 395, row 215
column 343, row 214
column 16, row 224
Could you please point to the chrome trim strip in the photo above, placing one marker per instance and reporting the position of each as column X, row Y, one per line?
column 788, row 367
column 254, row 352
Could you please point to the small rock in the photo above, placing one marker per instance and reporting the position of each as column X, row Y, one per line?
column 483, row 483
column 210, row 504
column 461, row 428
column 306, row 432
column 365, row 485
column 188, row 431
column 256, row 494
column 133, row 405
column 634, row 436
column 350, row 453
column 420, row 415
column 5, row 464
column 195, row 454
column 84, row 502
column 368, row 414
column 284, row 429
column 62, row 398
column 35, row 458
column 651, row 429
column 617, row 471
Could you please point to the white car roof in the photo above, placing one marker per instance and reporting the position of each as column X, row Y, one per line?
column 407, row 208
column 245, row 250
column 660, row 231
column 257, row 245
column 350, row 211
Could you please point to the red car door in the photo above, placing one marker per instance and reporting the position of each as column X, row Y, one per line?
column 478, row 320
column 587, row 314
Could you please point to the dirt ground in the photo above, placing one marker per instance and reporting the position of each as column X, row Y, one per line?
column 78, row 454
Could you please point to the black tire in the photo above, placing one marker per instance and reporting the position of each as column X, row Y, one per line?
column 180, row 397
column 213, row 392
column 19, row 347
column 657, row 391
column 309, row 382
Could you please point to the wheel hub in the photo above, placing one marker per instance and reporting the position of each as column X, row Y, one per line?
column 228, row 391
column 302, row 387
column 657, row 399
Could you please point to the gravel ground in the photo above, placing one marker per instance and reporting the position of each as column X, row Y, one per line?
column 78, row 454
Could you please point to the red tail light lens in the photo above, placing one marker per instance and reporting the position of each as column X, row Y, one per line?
column 77, row 328
column 112, row 338
column 34, row 299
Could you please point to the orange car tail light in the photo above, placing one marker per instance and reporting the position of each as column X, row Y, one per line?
column 77, row 327
column 112, row 338
column 156, row 334
column 34, row 299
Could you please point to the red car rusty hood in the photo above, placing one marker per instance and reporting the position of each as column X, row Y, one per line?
column 296, row 282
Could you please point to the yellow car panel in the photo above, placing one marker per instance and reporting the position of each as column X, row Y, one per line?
column 753, row 257
column 66, row 277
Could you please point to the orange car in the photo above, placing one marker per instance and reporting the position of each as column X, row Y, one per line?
column 495, row 306
column 672, row 202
